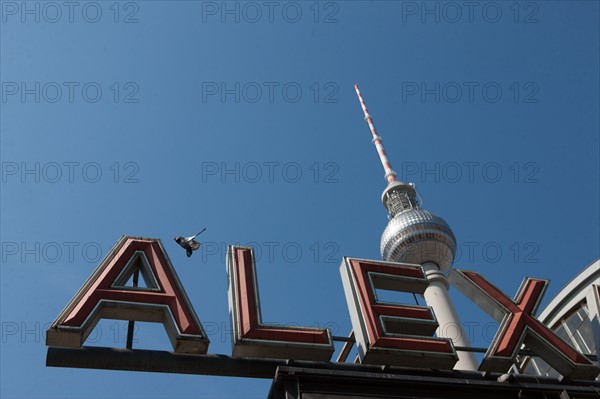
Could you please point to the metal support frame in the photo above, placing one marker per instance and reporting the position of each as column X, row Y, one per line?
column 348, row 344
column 295, row 382
column 131, row 326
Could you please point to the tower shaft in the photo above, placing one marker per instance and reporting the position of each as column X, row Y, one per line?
column 436, row 296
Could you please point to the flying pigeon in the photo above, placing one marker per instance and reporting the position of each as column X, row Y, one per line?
column 189, row 243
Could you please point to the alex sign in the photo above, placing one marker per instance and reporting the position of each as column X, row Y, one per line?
column 386, row 333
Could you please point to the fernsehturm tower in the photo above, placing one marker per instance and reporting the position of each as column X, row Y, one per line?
column 415, row 235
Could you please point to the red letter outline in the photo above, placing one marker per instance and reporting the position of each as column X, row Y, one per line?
column 252, row 338
column 104, row 296
column 519, row 327
column 393, row 334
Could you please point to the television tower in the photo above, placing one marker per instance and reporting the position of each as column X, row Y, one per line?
column 415, row 235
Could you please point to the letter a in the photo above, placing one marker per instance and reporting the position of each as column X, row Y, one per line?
column 105, row 295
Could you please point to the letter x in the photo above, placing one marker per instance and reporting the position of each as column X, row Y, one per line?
column 519, row 327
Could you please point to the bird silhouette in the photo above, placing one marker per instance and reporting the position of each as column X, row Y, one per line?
column 189, row 243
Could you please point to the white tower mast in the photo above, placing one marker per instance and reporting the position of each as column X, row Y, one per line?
column 414, row 235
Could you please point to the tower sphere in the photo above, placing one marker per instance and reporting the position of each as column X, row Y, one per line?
column 418, row 236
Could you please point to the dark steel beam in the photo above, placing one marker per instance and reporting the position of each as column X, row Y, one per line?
column 349, row 339
column 223, row 365
column 170, row 362
column 160, row 361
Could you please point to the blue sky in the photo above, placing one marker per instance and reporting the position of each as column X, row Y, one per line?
column 154, row 119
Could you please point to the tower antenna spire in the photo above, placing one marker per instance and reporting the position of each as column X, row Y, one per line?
column 390, row 175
